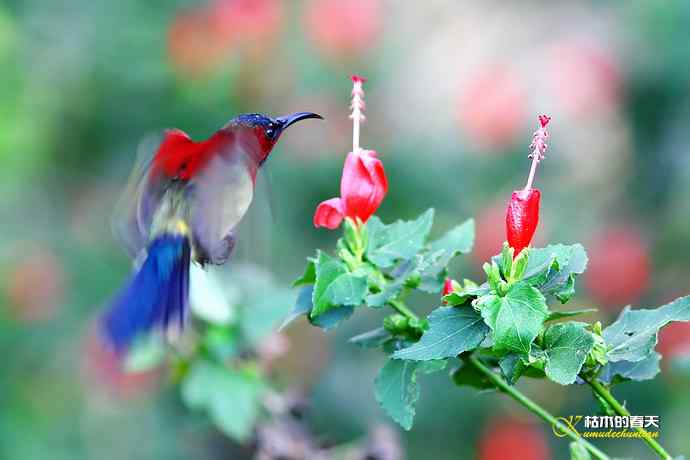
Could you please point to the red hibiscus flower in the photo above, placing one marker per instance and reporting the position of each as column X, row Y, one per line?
column 362, row 188
column 363, row 184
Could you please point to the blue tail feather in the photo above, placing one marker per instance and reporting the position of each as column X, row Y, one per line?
column 155, row 296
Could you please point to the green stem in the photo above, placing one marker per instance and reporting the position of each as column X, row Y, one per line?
column 535, row 408
column 401, row 308
column 606, row 395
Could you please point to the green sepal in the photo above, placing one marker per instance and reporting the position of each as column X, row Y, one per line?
column 506, row 261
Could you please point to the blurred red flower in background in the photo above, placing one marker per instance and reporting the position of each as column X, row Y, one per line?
column 618, row 269
column 362, row 188
column 674, row 340
column 490, row 235
column 585, row 77
column 192, row 44
column 511, row 439
column 35, row 285
column 103, row 371
column 341, row 29
column 201, row 39
column 492, row 108
column 252, row 24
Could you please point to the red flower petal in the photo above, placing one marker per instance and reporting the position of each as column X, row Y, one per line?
column 329, row 214
column 522, row 218
column 363, row 184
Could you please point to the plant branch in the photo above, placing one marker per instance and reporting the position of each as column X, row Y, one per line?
column 401, row 308
column 606, row 395
column 536, row 409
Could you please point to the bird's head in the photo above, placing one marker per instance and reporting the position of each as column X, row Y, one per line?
column 266, row 130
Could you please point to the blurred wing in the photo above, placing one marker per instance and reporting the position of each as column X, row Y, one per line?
column 221, row 194
column 264, row 187
column 254, row 232
column 134, row 211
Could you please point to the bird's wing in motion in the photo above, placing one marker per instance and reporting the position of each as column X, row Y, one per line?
column 221, row 194
column 134, row 212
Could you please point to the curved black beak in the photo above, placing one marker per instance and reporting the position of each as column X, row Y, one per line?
column 288, row 120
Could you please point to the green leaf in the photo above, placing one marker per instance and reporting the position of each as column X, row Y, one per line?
column 432, row 264
column 458, row 240
column 451, row 331
column 469, row 376
column 515, row 319
column 578, row 452
column 566, row 347
column 231, row 398
column 326, row 321
column 335, row 287
column 633, row 336
column 371, row 339
column 616, row 372
column 469, row 291
column 328, row 269
column 431, row 268
column 347, row 289
column 332, row 318
column 220, row 342
column 556, row 315
column 399, row 240
column 303, row 305
column 389, row 292
column 512, row 367
column 397, row 389
column 392, row 287
column 553, row 269
column 309, row 275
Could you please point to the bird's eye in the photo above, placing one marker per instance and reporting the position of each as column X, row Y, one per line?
column 270, row 133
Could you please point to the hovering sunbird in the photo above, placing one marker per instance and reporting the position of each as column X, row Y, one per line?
column 182, row 204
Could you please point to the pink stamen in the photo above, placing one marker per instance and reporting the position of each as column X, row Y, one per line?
column 538, row 148
column 357, row 106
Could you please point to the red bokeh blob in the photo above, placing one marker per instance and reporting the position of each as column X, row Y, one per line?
column 618, row 269
column 510, row 439
column 35, row 285
column 584, row 77
column 201, row 39
column 103, row 372
column 674, row 340
column 341, row 29
column 492, row 108
column 252, row 24
column 491, row 232
column 193, row 45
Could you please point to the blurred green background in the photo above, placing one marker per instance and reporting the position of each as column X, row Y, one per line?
column 453, row 93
